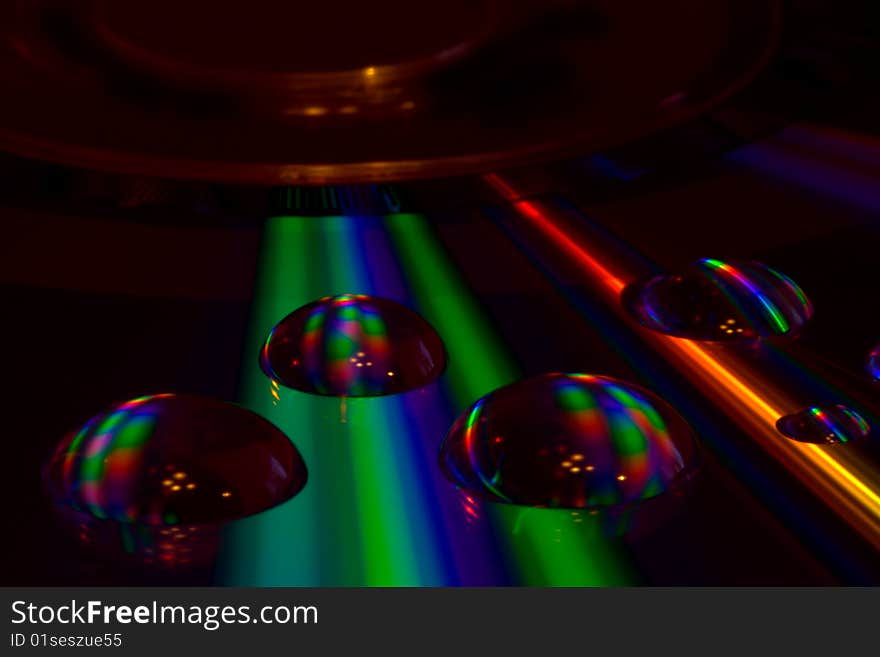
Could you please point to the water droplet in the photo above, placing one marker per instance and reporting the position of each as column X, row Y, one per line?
column 353, row 346
column 824, row 425
column 169, row 460
column 720, row 301
column 569, row 440
column 874, row 363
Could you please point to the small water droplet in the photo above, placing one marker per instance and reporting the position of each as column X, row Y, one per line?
column 168, row 459
column 353, row 345
column 720, row 301
column 824, row 425
column 569, row 440
column 874, row 363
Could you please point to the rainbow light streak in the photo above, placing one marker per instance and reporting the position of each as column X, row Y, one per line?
column 371, row 517
column 841, row 435
column 377, row 511
column 615, row 449
column 342, row 339
column 353, row 346
column 396, row 520
column 470, row 443
column 278, row 547
column 420, row 419
column 766, row 302
column 843, row 479
column 778, row 319
column 99, row 462
column 635, row 422
column 822, row 416
column 629, row 430
column 478, row 365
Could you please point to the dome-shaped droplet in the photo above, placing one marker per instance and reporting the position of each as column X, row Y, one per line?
column 353, row 345
column 720, row 301
column 824, row 425
column 174, row 460
column 873, row 363
column 569, row 440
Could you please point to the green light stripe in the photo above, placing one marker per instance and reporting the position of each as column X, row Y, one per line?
column 478, row 365
column 351, row 524
column 389, row 555
column 339, row 521
column 279, row 547
column 563, row 548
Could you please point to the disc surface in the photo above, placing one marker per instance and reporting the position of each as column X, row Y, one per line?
column 333, row 92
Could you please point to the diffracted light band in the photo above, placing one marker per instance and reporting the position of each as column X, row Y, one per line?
column 375, row 484
column 843, row 479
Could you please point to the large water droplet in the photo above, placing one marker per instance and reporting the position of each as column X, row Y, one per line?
column 569, row 440
column 824, row 425
column 873, row 363
column 353, row 345
column 174, row 460
column 720, row 301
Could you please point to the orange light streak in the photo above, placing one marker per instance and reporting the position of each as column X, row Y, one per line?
column 843, row 479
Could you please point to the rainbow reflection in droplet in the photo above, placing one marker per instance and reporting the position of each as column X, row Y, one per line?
column 174, row 459
column 720, row 301
column 827, row 425
column 353, row 345
column 569, row 441
column 873, row 363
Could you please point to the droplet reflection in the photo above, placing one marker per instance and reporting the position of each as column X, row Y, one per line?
column 720, row 301
column 353, row 346
column 824, row 425
column 157, row 473
column 569, row 440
